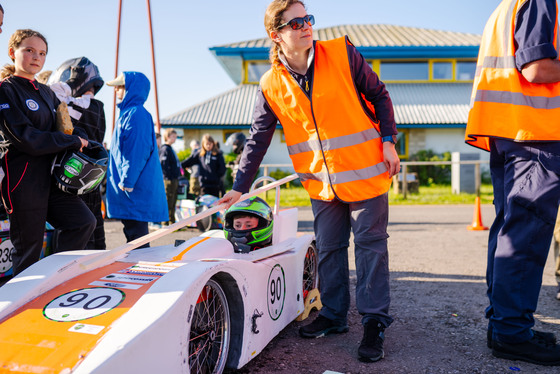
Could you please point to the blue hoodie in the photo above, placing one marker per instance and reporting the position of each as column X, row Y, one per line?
column 134, row 159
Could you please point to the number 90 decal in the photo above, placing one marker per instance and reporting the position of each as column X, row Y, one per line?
column 276, row 292
column 83, row 304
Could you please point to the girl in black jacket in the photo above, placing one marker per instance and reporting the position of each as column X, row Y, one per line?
column 212, row 166
column 27, row 122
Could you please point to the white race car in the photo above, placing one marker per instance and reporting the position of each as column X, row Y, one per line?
column 196, row 307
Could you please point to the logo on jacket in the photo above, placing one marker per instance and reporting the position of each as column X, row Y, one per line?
column 32, row 105
column 4, row 106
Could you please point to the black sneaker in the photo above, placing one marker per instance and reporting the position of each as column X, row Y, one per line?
column 546, row 336
column 321, row 326
column 371, row 347
column 535, row 350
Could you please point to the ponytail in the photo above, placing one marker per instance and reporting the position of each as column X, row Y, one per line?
column 273, row 19
column 6, row 71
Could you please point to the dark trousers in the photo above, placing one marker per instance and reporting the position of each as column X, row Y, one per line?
column 368, row 221
column 171, row 194
column 526, row 184
column 67, row 213
column 93, row 202
column 134, row 230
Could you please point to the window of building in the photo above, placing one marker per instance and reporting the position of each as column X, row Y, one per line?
column 404, row 71
column 402, row 144
column 465, row 70
column 424, row 71
column 255, row 70
column 442, row 70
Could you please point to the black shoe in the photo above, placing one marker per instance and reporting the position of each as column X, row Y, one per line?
column 535, row 350
column 546, row 336
column 321, row 326
column 371, row 347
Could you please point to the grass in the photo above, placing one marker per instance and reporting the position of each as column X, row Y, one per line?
column 436, row 194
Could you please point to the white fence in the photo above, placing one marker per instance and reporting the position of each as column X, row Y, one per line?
column 404, row 170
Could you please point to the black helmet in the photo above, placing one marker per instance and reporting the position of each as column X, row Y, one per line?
column 80, row 74
column 237, row 141
column 80, row 172
column 245, row 241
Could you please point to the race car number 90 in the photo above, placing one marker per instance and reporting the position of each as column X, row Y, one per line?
column 83, row 304
column 276, row 292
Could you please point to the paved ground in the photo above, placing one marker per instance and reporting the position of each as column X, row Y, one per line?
column 438, row 297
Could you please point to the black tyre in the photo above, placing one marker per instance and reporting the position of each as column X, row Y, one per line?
column 209, row 336
column 205, row 223
column 310, row 270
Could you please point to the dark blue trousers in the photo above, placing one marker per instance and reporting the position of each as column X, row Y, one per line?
column 526, row 184
column 135, row 229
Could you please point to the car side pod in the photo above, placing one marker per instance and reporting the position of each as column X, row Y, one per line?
column 312, row 301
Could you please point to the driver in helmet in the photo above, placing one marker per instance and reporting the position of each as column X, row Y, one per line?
column 248, row 225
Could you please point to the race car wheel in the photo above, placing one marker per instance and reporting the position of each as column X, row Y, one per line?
column 209, row 336
column 310, row 270
column 203, row 224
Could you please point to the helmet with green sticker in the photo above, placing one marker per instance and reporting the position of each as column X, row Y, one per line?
column 253, row 238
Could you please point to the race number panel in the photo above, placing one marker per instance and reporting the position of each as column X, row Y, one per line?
column 44, row 335
column 276, row 292
column 83, row 304
column 6, row 252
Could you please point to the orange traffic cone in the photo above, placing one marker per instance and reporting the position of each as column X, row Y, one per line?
column 477, row 218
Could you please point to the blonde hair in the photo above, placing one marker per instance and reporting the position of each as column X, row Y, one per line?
column 273, row 19
column 15, row 41
column 167, row 133
column 209, row 138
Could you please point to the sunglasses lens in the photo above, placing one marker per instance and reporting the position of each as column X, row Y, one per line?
column 296, row 23
column 310, row 20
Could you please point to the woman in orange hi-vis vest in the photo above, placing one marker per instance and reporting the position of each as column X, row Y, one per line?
column 338, row 121
column 515, row 115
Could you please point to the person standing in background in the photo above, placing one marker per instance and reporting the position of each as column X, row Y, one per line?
column 515, row 116
column 211, row 166
column 135, row 190
column 76, row 82
column 194, row 183
column 171, row 171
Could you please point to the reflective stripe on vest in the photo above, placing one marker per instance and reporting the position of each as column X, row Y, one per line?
column 503, row 103
column 334, row 145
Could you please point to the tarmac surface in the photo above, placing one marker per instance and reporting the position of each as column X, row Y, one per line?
column 438, row 300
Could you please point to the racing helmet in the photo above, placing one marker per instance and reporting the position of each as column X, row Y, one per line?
column 237, row 142
column 80, row 74
column 245, row 241
column 80, row 172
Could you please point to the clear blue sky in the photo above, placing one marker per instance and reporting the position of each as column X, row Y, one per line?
column 187, row 73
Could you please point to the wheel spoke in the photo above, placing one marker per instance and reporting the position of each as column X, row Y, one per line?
column 209, row 338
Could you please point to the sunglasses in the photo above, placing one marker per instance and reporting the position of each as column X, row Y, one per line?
column 297, row 23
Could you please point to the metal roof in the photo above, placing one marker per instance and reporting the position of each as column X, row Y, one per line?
column 379, row 36
column 373, row 42
column 422, row 104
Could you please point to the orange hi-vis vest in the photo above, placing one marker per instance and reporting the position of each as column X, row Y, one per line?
column 503, row 103
column 334, row 145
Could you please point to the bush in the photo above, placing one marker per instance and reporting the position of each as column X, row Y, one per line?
column 429, row 175
column 279, row 174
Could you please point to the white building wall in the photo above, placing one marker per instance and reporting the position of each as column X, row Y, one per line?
column 450, row 140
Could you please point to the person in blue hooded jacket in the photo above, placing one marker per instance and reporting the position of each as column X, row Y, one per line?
column 135, row 189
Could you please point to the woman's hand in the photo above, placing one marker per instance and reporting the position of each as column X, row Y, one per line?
column 230, row 198
column 391, row 159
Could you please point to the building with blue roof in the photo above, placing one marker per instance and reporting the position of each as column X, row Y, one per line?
column 428, row 73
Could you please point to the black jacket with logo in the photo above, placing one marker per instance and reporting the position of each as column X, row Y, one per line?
column 28, row 122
